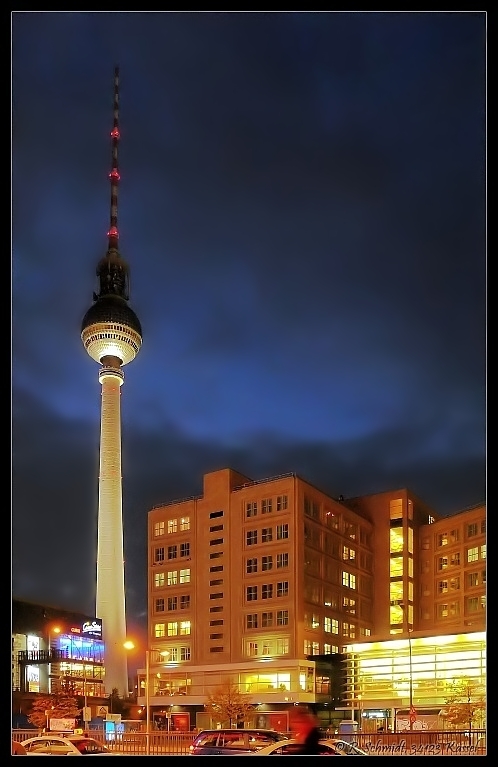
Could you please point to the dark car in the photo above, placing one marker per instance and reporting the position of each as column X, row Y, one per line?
column 227, row 742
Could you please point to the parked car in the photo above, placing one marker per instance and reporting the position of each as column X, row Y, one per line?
column 66, row 745
column 228, row 742
column 292, row 747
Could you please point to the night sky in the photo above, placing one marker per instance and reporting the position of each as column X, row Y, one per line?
column 302, row 207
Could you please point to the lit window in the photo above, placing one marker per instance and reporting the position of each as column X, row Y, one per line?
column 483, row 551
column 158, row 529
column 172, row 578
column 172, row 525
column 172, row 629
column 185, row 576
column 159, row 630
column 442, row 587
column 315, row 648
column 184, row 653
column 184, row 627
column 185, row 523
column 252, row 648
column 348, row 579
column 335, row 626
column 396, row 508
column 473, row 554
column 396, row 567
column 158, row 580
column 315, row 621
column 327, row 624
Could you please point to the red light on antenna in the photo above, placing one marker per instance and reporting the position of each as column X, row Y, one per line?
column 115, row 133
column 114, row 175
column 113, row 232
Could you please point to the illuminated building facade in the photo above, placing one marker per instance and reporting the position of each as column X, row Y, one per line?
column 253, row 580
column 419, row 672
column 53, row 649
column 112, row 336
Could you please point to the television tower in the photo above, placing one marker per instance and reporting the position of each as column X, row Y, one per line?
column 112, row 336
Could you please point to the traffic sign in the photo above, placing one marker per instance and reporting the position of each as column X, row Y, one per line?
column 102, row 710
column 113, row 718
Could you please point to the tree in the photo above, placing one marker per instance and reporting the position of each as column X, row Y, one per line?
column 227, row 705
column 61, row 706
column 465, row 704
column 118, row 705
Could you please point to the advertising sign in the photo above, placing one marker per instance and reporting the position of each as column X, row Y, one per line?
column 62, row 725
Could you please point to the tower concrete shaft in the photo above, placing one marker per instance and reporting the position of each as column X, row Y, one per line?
column 110, row 595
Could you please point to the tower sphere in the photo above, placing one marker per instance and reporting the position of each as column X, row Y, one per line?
column 111, row 329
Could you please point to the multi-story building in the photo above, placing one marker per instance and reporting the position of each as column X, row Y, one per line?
column 53, row 649
column 252, row 579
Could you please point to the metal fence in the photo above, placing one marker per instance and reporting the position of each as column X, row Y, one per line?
column 408, row 743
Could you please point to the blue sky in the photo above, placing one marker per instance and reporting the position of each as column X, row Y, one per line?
column 303, row 209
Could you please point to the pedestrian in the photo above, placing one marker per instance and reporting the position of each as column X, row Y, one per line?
column 305, row 729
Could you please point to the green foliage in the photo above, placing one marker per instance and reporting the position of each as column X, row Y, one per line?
column 227, row 705
column 465, row 704
column 60, row 706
